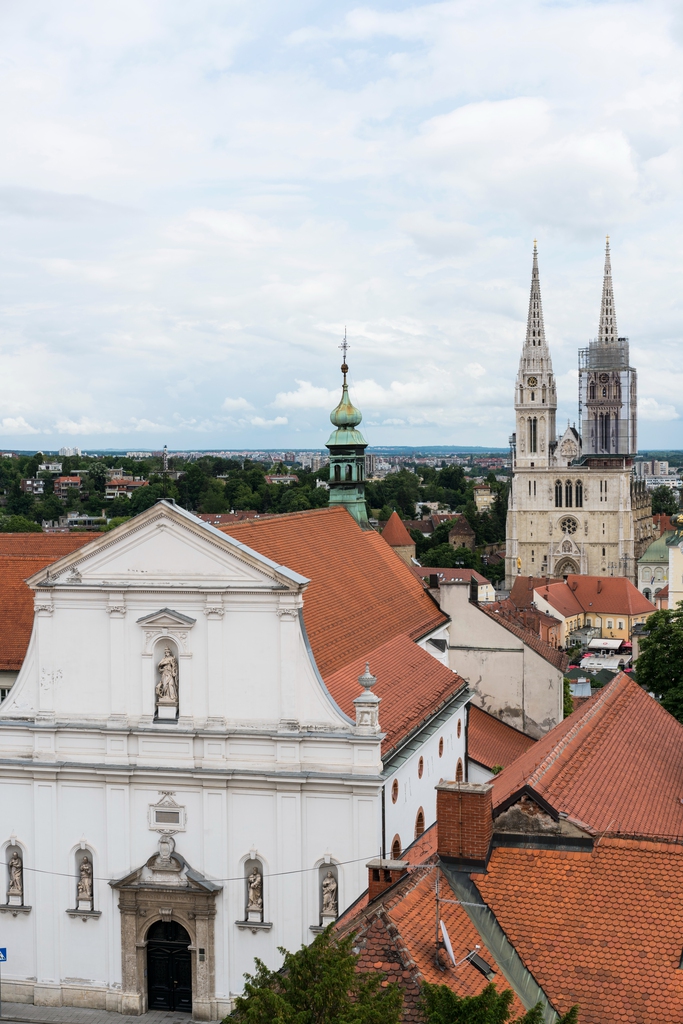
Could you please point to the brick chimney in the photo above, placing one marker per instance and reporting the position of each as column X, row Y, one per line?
column 464, row 815
column 383, row 873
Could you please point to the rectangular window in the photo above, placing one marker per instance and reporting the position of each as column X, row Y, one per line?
column 620, row 624
column 610, row 624
column 166, row 817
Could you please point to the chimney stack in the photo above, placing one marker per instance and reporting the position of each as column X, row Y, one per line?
column 383, row 873
column 464, row 815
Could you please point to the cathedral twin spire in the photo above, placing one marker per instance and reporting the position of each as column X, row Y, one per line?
column 607, row 330
column 535, row 330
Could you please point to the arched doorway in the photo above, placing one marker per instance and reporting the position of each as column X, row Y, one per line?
column 169, row 967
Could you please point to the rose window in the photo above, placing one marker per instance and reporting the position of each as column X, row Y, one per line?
column 568, row 525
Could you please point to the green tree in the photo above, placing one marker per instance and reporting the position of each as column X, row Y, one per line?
column 664, row 501
column 18, row 503
column 318, row 985
column 50, row 509
column 113, row 523
column 447, row 557
column 18, row 524
column 145, row 497
column 567, row 702
column 440, row 1005
column 660, row 662
column 213, row 497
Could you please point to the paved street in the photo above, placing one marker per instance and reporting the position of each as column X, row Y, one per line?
column 24, row 1013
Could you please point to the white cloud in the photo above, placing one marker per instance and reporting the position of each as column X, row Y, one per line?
column 650, row 410
column 236, row 404
column 190, row 208
column 259, row 421
column 17, row 425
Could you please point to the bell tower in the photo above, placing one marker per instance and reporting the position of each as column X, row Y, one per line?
column 535, row 394
column 347, row 454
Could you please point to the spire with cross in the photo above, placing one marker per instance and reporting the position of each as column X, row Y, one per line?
column 344, row 348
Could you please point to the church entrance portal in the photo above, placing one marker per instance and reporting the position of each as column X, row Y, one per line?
column 169, row 968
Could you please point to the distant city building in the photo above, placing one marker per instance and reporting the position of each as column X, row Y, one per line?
column 138, row 455
column 69, row 452
column 370, row 464
column 64, row 483
column 484, row 497
column 50, row 467
column 651, row 467
column 653, row 567
column 33, row 485
column 288, row 478
column 123, row 488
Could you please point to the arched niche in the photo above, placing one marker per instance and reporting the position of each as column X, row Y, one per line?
column 328, row 892
column 254, row 894
column 15, row 878
column 166, row 679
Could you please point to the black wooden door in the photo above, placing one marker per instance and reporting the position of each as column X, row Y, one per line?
column 169, row 967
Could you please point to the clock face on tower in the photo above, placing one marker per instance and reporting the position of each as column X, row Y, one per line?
column 604, row 377
column 532, row 382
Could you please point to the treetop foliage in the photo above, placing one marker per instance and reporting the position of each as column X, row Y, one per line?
column 319, row 984
column 440, row 1005
column 660, row 662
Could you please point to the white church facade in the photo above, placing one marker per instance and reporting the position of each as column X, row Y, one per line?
column 181, row 789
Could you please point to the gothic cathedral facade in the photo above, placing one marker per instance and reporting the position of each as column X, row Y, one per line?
column 575, row 506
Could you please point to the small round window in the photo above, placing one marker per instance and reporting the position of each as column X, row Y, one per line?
column 394, row 791
column 459, row 728
column 420, row 767
column 441, row 747
column 568, row 525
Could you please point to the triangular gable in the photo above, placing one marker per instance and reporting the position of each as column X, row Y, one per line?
column 165, row 545
column 167, row 617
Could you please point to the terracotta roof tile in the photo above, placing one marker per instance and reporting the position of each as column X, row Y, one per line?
column 613, row 766
column 21, row 555
column 491, row 742
column 396, row 934
column 602, row 928
column 556, row 658
column 395, row 533
column 448, row 575
column 361, row 593
column 605, row 595
column 411, row 684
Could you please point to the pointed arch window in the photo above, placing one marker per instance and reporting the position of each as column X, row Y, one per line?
column 568, row 494
column 579, row 494
column 558, row 494
column 533, row 434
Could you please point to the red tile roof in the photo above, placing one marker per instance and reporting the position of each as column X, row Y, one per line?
column 411, row 684
column 556, row 658
column 614, row 766
column 491, row 742
column 395, row 934
column 604, row 595
column 395, row 533
column 601, row 928
column 522, row 593
column 21, row 555
column 449, row 575
column 361, row 594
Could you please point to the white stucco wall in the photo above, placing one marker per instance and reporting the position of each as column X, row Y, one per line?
column 508, row 678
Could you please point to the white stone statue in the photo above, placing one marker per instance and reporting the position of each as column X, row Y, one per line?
column 329, row 895
column 167, row 687
column 85, row 881
column 255, row 892
column 16, row 876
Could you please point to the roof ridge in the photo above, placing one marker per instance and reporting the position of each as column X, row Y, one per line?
column 532, row 639
column 591, row 710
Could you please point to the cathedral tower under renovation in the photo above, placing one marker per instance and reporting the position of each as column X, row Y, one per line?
column 574, row 504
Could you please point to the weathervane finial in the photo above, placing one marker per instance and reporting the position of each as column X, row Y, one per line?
column 344, row 348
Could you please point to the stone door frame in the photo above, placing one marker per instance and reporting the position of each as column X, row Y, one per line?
column 194, row 907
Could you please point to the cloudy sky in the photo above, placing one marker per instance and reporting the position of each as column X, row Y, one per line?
column 197, row 198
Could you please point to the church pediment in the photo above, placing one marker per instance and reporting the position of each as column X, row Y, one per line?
column 167, row 618
column 167, row 547
column 166, row 869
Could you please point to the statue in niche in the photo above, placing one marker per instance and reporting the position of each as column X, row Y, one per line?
column 84, row 889
column 16, row 876
column 167, row 687
column 255, row 892
column 329, row 895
